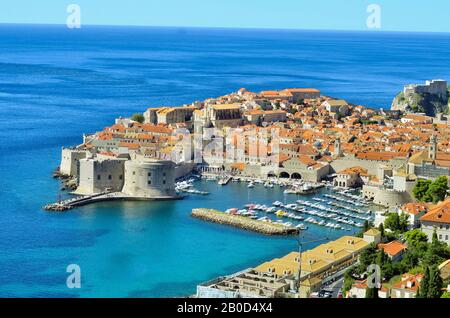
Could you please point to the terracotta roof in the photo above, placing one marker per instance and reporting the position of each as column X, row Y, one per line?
column 306, row 160
column 380, row 156
column 353, row 170
column 129, row 145
column 409, row 282
column 238, row 165
column 439, row 213
column 302, row 90
column 415, row 208
column 392, row 248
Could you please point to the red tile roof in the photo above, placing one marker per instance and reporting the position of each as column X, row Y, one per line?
column 392, row 248
column 439, row 213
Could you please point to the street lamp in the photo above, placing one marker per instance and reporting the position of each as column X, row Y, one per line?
column 300, row 251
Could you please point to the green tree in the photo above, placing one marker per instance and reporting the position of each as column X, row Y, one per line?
column 381, row 257
column 421, row 188
column 437, row 251
column 392, row 222
column 415, row 237
column 424, row 284
column 368, row 257
column 138, row 117
column 396, row 222
column 435, row 283
column 371, row 292
column 437, row 191
column 410, row 260
column 366, row 226
column 381, row 229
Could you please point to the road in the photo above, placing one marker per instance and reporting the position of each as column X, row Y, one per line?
column 335, row 287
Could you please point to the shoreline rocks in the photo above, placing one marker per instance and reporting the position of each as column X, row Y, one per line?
column 243, row 222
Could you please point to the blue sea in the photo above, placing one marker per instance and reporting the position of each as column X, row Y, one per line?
column 58, row 83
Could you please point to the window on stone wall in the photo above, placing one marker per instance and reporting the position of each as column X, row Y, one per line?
column 99, row 177
column 149, row 182
column 110, row 177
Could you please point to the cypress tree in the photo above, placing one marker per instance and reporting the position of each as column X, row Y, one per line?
column 381, row 229
column 371, row 292
column 435, row 284
column 423, row 291
column 435, row 240
column 381, row 258
column 366, row 226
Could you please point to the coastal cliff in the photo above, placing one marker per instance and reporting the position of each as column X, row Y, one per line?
column 422, row 99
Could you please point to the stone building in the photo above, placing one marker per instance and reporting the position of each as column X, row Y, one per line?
column 246, row 284
column 100, row 174
column 224, row 115
column 169, row 115
column 302, row 93
column 70, row 158
column 149, row 179
column 437, row 219
column 339, row 107
column 350, row 178
column 430, row 163
column 434, row 87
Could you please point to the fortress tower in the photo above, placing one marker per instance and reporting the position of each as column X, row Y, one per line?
column 150, row 179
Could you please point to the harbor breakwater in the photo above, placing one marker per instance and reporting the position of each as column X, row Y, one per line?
column 243, row 222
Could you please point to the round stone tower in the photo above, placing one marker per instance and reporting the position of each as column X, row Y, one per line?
column 150, row 179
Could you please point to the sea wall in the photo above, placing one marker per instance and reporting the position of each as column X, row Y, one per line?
column 243, row 222
column 99, row 175
column 70, row 161
column 386, row 197
column 183, row 169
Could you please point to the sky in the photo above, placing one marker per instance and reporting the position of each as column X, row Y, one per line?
column 395, row 15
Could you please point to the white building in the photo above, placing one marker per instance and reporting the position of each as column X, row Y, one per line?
column 437, row 219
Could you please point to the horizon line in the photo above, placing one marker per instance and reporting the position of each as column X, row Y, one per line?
column 373, row 31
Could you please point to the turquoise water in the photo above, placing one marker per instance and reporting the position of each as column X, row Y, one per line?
column 56, row 84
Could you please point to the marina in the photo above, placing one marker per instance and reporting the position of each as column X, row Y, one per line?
column 326, row 207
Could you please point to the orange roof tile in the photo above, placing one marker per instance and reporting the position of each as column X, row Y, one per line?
column 392, row 248
column 439, row 213
column 415, row 208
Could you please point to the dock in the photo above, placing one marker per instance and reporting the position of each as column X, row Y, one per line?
column 224, row 181
column 243, row 222
column 69, row 204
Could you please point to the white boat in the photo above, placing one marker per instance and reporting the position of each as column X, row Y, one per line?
column 271, row 210
column 250, row 185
